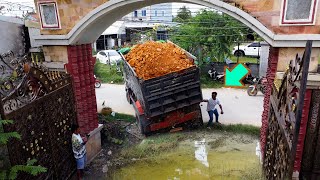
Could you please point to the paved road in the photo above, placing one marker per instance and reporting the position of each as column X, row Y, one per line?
column 239, row 108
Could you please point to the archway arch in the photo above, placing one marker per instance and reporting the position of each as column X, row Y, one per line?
column 89, row 28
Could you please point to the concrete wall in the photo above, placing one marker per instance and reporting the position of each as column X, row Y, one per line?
column 220, row 68
column 11, row 36
column 265, row 48
column 287, row 54
column 164, row 12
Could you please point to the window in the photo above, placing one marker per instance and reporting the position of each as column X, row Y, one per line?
column 102, row 53
column 135, row 13
column 255, row 45
column 144, row 12
column 298, row 12
column 162, row 13
column 155, row 13
column 49, row 15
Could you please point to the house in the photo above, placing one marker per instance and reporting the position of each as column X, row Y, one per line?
column 129, row 28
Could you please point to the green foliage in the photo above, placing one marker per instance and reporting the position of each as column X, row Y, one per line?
column 153, row 146
column 184, row 14
column 29, row 168
column 12, row 173
column 207, row 82
column 244, row 59
column 107, row 73
column 209, row 34
column 239, row 128
column 120, row 116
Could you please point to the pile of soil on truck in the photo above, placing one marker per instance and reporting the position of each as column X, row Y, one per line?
column 155, row 59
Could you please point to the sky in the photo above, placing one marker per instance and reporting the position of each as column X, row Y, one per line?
column 175, row 6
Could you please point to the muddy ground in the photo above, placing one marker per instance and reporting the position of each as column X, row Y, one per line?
column 123, row 145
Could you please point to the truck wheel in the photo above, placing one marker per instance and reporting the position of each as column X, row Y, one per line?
column 128, row 97
column 142, row 125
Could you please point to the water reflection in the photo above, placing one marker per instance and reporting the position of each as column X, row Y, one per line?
column 201, row 153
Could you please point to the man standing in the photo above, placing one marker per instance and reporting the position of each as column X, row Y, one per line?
column 211, row 107
column 79, row 150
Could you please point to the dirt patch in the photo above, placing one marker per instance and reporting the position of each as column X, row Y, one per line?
column 114, row 137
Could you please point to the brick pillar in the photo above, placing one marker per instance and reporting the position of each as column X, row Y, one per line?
column 80, row 66
column 303, row 130
column 271, row 72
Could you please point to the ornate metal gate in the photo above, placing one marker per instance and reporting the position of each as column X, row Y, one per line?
column 289, row 100
column 42, row 107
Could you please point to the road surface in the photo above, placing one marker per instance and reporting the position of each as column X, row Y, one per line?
column 239, row 108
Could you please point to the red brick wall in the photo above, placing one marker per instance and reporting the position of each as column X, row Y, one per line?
column 303, row 129
column 271, row 71
column 80, row 66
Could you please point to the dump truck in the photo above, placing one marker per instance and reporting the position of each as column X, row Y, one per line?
column 165, row 102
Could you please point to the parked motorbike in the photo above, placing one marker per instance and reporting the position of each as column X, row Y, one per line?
column 215, row 75
column 249, row 79
column 97, row 82
column 259, row 85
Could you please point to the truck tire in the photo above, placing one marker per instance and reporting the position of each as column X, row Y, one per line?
column 128, row 97
column 142, row 125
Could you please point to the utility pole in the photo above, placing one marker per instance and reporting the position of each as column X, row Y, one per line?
column 238, row 53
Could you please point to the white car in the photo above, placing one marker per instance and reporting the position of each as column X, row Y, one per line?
column 253, row 49
column 109, row 57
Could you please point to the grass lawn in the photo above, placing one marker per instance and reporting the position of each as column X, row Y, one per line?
column 206, row 82
column 244, row 59
column 120, row 116
column 108, row 74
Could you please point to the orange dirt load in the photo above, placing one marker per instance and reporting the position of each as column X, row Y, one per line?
column 154, row 59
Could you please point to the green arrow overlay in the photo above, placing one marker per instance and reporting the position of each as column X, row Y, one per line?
column 233, row 77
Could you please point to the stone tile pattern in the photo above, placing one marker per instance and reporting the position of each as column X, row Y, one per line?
column 71, row 12
column 266, row 11
column 303, row 130
column 80, row 66
column 288, row 54
column 55, row 53
column 271, row 72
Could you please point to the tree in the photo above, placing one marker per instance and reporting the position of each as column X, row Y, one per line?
column 184, row 14
column 209, row 35
column 12, row 172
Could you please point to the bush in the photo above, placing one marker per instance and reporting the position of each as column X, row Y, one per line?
column 108, row 74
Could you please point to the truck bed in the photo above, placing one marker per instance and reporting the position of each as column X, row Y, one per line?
column 166, row 93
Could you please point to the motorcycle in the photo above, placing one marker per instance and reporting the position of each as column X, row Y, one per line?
column 214, row 75
column 97, row 82
column 249, row 79
column 259, row 85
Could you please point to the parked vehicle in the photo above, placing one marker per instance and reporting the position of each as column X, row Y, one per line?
column 249, row 79
column 215, row 75
column 252, row 49
column 97, row 82
column 259, row 85
column 166, row 101
column 109, row 57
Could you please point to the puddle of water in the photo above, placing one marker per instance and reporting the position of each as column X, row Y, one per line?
column 194, row 161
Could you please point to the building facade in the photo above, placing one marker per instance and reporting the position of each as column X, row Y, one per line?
column 154, row 13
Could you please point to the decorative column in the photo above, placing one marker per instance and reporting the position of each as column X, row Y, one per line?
column 271, row 72
column 80, row 66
